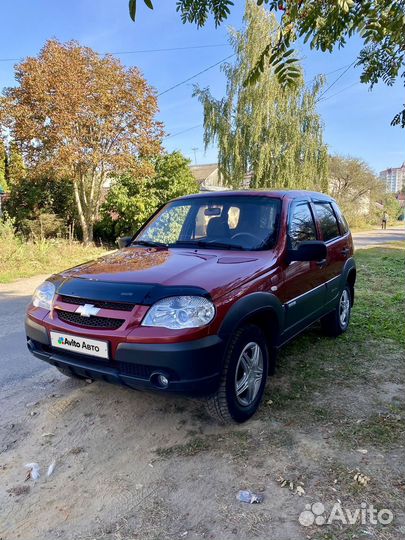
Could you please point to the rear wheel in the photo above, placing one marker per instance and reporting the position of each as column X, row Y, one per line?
column 244, row 377
column 337, row 322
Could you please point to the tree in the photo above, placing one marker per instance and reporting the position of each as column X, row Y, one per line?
column 15, row 171
column 380, row 24
column 30, row 201
column 392, row 206
column 83, row 117
column 131, row 201
column 356, row 187
column 3, row 166
column 263, row 129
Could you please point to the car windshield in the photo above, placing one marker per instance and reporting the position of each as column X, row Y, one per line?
column 227, row 222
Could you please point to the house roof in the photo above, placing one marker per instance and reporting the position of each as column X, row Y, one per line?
column 202, row 172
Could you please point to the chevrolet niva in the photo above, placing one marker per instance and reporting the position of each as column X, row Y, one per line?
column 201, row 298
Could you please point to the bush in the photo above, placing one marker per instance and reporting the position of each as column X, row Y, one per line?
column 41, row 208
column 131, row 201
column 45, row 226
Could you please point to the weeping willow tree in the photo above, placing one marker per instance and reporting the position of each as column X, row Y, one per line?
column 273, row 133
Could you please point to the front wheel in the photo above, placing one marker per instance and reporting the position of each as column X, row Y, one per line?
column 243, row 378
column 337, row 322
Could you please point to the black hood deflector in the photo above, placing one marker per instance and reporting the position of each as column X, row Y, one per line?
column 144, row 294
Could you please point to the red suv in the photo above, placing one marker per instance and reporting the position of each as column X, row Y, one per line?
column 202, row 297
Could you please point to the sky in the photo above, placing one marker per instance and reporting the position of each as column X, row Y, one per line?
column 356, row 120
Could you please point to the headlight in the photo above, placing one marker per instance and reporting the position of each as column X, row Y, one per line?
column 43, row 295
column 179, row 312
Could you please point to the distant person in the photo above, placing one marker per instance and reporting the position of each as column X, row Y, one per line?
column 384, row 220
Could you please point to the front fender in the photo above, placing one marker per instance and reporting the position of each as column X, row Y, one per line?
column 251, row 306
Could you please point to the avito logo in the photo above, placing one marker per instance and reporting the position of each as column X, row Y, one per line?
column 61, row 341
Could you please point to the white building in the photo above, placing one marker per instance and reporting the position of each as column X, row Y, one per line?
column 394, row 178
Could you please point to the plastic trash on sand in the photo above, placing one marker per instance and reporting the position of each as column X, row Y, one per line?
column 247, row 496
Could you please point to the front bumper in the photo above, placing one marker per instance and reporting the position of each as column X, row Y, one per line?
column 192, row 367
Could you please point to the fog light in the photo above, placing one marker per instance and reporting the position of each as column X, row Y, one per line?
column 162, row 381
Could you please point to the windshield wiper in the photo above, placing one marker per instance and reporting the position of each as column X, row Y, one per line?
column 148, row 243
column 208, row 244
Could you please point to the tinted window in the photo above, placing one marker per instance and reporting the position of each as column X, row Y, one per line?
column 327, row 221
column 344, row 227
column 301, row 226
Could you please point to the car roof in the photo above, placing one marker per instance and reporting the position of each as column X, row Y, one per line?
column 277, row 194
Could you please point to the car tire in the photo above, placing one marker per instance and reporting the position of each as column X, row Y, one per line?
column 243, row 377
column 68, row 373
column 337, row 322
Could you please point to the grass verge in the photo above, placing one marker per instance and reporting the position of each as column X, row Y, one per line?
column 20, row 259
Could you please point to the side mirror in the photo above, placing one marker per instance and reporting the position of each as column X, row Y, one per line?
column 310, row 250
column 124, row 241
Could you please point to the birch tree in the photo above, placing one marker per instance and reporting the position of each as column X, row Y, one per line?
column 272, row 132
column 78, row 115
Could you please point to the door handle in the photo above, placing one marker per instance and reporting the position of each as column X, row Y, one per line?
column 321, row 263
column 345, row 251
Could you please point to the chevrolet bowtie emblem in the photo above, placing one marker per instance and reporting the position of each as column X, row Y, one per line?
column 88, row 310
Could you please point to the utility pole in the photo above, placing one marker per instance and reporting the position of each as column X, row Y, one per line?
column 195, row 155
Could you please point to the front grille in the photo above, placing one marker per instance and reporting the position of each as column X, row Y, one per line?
column 90, row 322
column 103, row 304
column 135, row 370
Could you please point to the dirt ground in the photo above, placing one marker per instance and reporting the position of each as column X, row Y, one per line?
column 133, row 465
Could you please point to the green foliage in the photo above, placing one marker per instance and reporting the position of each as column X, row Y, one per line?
column 131, row 201
column 41, row 207
column 273, row 132
column 360, row 193
column 380, row 24
column 15, row 165
column 392, row 207
column 3, row 166
column 357, row 189
column 47, row 225
column 193, row 11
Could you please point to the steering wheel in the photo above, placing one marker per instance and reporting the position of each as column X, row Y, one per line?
column 249, row 235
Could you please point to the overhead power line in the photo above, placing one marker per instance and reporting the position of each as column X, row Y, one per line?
column 183, row 131
column 336, row 80
column 195, row 75
column 339, row 92
column 141, row 51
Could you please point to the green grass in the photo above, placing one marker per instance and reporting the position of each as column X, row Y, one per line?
column 19, row 259
column 380, row 430
column 312, row 362
column 380, row 295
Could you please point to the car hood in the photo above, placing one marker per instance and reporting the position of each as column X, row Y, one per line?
column 215, row 271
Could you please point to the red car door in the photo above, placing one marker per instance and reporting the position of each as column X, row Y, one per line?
column 303, row 289
column 339, row 245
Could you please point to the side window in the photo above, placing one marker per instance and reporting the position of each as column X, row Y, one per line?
column 301, row 225
column 327, row 221
column 344, row 226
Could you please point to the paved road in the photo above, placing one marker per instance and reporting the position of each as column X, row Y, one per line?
column 378, row 236
column 17, row 365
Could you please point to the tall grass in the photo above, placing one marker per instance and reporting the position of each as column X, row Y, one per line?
column 19, row 258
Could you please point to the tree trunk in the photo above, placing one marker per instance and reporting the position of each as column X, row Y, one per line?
column 87, row 228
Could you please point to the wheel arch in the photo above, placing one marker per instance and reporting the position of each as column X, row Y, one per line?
column 350, row 276
column 262, row 309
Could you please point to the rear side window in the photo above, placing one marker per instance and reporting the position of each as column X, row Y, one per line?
column 301, row 225
column 344, row 226
column 327, row 221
